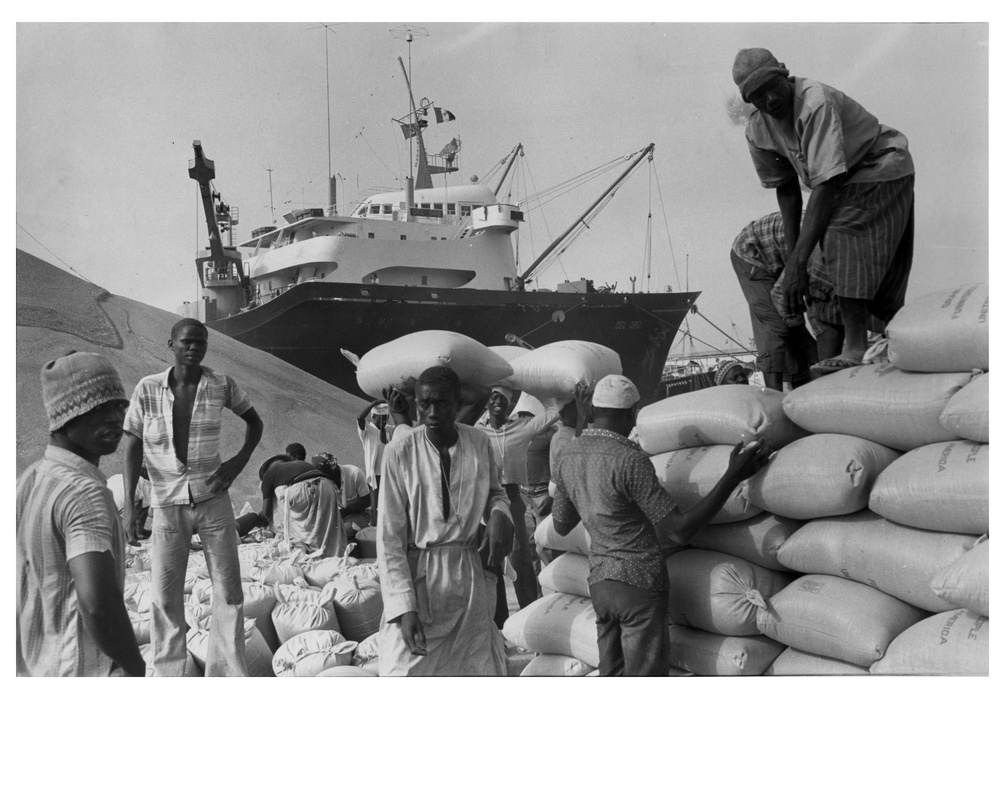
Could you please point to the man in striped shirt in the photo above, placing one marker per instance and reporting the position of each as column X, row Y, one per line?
column 71, row 618
column 174, row 420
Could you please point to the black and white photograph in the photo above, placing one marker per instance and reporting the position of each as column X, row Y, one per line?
column 530, row 348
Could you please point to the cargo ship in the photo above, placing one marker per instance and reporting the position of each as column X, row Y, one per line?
column 331, row 283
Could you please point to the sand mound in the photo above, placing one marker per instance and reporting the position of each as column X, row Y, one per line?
column 58, row 312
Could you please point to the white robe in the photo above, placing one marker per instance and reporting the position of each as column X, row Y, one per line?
column 430, row 564
column 310, row 516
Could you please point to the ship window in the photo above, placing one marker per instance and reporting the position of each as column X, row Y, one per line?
column 438, row 206
column 371, row 235
column 434, row 238
column 451, row 208
column 423, row 280
column 425, row 205
column 387, row 209
column 402, row 237
column 466, row 210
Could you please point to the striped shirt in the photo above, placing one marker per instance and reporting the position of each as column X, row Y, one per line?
column 64, row 509
column 151, row 418
column 608, row 483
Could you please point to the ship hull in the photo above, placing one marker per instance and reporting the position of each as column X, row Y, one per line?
column 309, row 324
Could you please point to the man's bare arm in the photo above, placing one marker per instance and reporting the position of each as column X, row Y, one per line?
column 103, row 610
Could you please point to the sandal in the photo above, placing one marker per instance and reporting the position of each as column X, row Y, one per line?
column 830, row 365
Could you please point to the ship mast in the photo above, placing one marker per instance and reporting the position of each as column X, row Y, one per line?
column 510, row 163
column 523, row 279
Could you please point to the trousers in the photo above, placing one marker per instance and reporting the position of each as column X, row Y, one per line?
column 632, row 630
column 173, row 526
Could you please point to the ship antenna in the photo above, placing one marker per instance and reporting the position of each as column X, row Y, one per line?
column 409, row 33
column 327, row 30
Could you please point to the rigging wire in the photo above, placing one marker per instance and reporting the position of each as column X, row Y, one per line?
column 46, row 249
column 663, row 210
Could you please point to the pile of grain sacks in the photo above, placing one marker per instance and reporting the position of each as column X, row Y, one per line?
column 303, row 616
column 861, row 548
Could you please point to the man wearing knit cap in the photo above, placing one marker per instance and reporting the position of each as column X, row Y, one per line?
column 71, row 617
column 175, row 421
column 608, row 483
column 860, row 209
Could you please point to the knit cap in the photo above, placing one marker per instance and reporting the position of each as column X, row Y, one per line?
column 77, row 383
column 753, row 67
column 615, row 391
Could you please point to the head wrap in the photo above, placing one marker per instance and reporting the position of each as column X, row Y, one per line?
column 504, row 391
column 77, row 383
column 724, row 370
column 754, row 67
column 615, row 391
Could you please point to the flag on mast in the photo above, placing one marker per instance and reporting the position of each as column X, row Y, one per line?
column 440, row 115
column 410, row 128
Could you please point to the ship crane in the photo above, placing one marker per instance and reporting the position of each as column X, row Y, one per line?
column 223, row 263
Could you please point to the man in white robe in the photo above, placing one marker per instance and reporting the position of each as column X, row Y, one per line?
column 440, row 484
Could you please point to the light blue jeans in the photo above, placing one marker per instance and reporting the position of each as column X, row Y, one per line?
column 173, row 527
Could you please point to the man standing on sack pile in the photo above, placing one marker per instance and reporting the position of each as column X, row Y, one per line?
column 440, row 485
column 860, row 210
column 606, row 481
column 71, row 617
column 174, row 421
column 301, row 502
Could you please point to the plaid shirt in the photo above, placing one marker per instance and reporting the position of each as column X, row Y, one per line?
column 64, row 509
column 150, row 417
column 761, row 244
column 607, row 482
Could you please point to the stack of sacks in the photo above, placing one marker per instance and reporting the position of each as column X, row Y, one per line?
column 894, row 496
column 553, row 370
column 714, row 599
column 953, row 642
column 398, row 363
column 689, row 438
column 258, row 654
column 308, row 654
column 366, row 655
column 299, row 608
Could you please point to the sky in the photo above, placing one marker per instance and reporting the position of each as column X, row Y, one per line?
column 106, row 114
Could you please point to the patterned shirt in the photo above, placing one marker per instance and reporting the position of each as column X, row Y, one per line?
column 64, row 509
column 608, row 483
column 151, row 418
column 761, row 244
column 829, row 134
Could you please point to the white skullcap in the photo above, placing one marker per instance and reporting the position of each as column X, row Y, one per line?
column 615, row 391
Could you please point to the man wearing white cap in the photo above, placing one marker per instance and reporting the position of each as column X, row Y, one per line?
column 374, row 431
column 608, row 483
column 71, row 617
